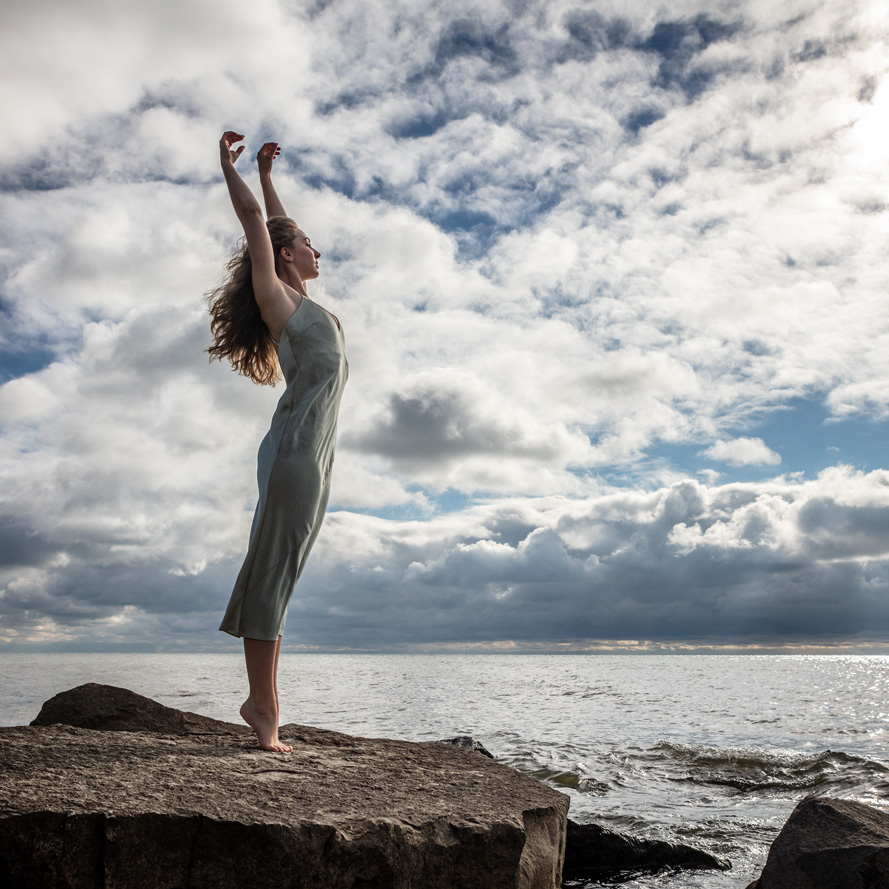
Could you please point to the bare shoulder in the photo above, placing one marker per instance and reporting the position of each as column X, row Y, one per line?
column 278, row 308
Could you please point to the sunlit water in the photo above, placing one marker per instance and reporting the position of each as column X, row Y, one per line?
column 712, row 751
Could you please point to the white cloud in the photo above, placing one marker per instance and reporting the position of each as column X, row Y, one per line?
column 742, row 452
column 66, row 64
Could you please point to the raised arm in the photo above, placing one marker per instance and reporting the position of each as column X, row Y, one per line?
column 245, row 204
column 264, row 160
column 274, row 303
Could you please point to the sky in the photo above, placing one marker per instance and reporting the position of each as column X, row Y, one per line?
column 613, row 278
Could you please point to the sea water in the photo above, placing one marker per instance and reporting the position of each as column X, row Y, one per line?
column 711, row 751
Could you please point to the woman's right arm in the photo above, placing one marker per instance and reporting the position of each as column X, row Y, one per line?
column 245, row 204
column 267, row 287
column 264, row 160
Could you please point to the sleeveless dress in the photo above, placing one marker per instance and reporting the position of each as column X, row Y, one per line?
column 294, row 464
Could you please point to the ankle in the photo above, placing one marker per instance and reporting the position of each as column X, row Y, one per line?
column 261, row 707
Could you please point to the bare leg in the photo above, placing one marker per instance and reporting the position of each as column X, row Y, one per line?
column 260, row 710
column 277, row 705
column 277, row 655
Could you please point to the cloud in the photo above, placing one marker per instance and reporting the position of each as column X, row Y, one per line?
column 64, row 65
column 449, row 417
column 749, row 562
column 686, row 561
column 742, row 452
column 569, row 243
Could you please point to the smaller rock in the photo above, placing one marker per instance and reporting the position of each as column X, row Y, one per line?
column 469, row 742
column 112, row 709
column 829, row 844
column 596, row 853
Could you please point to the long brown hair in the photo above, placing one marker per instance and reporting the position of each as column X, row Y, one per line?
column 238, row 330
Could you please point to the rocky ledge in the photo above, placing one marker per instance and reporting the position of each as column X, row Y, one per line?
column 108, row 788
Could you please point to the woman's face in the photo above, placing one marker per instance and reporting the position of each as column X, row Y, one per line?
column 305, row 256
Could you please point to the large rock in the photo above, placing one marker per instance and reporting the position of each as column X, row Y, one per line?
column 191, row 802
column 829, row 844
column 595, row 853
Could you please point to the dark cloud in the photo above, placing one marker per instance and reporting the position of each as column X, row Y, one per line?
column 840, row 531
column 96, row 594
column 629, row 581
column 22, row 546
column 435, row 426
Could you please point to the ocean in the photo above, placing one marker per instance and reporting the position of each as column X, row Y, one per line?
column 709, row 750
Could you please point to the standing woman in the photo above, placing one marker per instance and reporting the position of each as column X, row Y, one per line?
column 262, row 320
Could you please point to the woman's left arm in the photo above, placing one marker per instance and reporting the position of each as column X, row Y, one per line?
column 264, row 160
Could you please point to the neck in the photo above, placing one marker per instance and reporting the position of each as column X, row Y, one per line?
column 287, row 273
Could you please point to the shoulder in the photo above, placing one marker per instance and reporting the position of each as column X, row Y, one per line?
column 277, row 312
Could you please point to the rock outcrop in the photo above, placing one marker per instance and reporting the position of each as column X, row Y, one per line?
column 108, row 788
column 829, row 844
column 596, row 853
column 470, row 743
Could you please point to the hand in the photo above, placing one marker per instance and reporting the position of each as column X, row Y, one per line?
column 226, row 155
column 266, row 157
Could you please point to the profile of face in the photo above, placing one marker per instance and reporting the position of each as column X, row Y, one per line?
column 303, row 256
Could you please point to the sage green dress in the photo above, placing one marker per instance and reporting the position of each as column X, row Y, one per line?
column 294, row 464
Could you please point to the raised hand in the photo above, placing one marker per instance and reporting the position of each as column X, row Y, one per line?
column 226, row 155
column 266, row 156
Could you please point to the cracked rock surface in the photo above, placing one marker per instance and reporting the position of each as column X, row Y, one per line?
column 108, row 788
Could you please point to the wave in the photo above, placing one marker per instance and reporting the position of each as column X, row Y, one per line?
column 633, row 774
column 568, row 778
column 754, row 770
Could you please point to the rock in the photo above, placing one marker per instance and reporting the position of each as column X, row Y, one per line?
column 829, row 844
column 470, row 743
column 146, row 796
column 112, row 709
column 596, row 853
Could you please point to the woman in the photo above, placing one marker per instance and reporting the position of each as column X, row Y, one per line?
column 263, row 319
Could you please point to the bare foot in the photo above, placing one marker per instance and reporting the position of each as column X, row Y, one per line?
column 265, row 724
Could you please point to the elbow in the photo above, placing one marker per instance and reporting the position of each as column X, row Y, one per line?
column 250, row 216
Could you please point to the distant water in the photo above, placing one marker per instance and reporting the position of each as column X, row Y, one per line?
column 713, row 751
